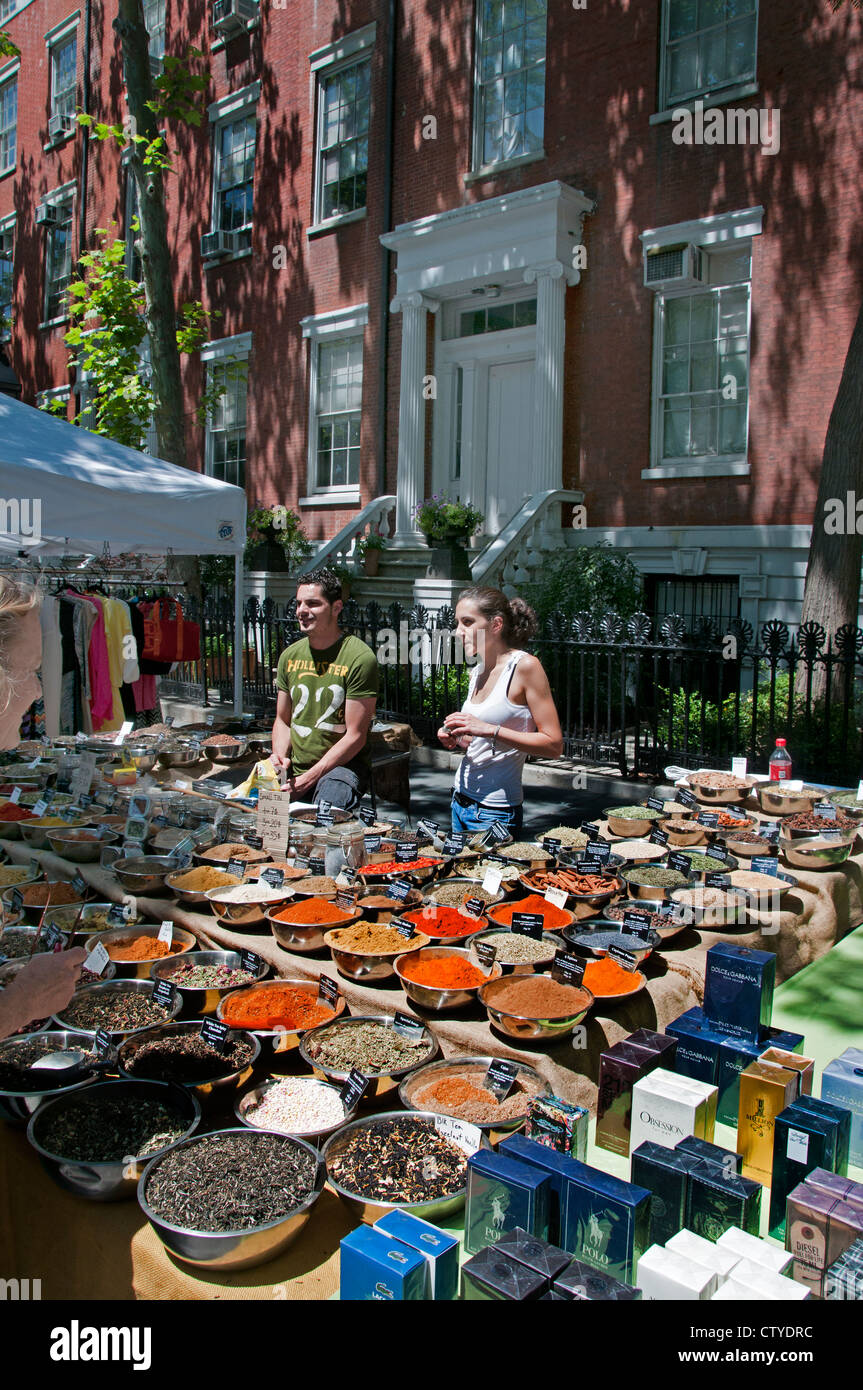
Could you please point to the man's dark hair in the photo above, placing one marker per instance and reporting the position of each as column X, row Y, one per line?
column 329, row 584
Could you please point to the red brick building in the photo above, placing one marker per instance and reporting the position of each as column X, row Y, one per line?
column 501, row 248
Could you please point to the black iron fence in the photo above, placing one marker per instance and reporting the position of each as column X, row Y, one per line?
column 637, row 695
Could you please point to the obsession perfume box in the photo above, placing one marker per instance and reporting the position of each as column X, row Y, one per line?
column 738, row 989
column 663, row 1172
column 735, row 1055
column 376, row 1267
column 842, row 1084
column 765, row 1091
column 749, row 1247
column 492, row 1276
column 438, row 1248
column 665, row 1108
column 664, row 1275
column 716, row 1200
column 502, row 1194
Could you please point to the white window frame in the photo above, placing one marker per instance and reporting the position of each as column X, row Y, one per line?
column 59, row 37
column 57, row 197
column 130, row 211
column 157, row 34
column 222, row 352
column 726, row 232
column 328, row 328
column 7, row 228
column 745, row 85
column 348, row 51
column 227, row 110
column 8, row 75
column 479, row 168
column 53, row 393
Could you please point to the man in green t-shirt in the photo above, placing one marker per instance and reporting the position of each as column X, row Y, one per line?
column 327, row 687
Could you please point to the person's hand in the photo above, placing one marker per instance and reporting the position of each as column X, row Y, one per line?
column 304, row 782
column 279, row 761
column 46, row 984
column 448, row 740
column 461, row 725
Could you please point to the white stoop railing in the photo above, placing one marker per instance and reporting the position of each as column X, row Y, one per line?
column 341, row 549
column 516, row 556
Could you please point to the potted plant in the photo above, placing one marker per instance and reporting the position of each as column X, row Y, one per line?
column 345, row 578
column 275, row 539
column 368, row 550
column 447, row 527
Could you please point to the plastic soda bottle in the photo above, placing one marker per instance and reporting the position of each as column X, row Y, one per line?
column 780, row 762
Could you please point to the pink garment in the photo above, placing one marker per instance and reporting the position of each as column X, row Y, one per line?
column 101, row 690
column 144, row 692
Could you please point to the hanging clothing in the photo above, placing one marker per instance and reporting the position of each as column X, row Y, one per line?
column 52, row 663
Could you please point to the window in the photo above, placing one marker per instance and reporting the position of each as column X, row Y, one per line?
column 8, row 7
column 343, row 141
column 718, row 599
column 8, row 125
column 55, row 401
column 227, row 386
column 335, row 401
column 708, row 45
column 64, row 55
column 509, row 102
column 7, row 260
column 133, row 259
column 154, row 23
column 497, row 317
column 58, row 258
column 235, row 174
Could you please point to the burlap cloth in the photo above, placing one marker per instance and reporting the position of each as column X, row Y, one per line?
column 816, row 914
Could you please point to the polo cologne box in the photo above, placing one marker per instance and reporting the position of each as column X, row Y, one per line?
column 376, row 1267
column 738, row 989
column 842, row 1084
column 502, row 1194
column 557, row 1167
column 607, row 1222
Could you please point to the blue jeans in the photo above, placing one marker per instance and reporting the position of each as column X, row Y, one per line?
column 472, row 819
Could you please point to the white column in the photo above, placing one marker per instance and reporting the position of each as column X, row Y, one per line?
column 547, row 458
column 412, row 408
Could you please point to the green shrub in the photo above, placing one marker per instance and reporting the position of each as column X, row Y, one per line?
column 590, row 579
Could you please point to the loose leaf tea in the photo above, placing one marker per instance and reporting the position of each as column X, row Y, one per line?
column 373, row 1048
column 231, row 1182
column 185, row 1057
column 16, row 1064
column 117, row 1009
column 400, row 1161
column 106, row 1129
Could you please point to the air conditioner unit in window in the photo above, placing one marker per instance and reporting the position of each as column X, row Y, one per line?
column 232, row 16
column 46, row 215
column 675, row 267
column 60, row 126
column 215, row 244
column 156, row 65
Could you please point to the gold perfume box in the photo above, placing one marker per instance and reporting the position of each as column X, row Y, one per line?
column 765, row 1091
column 804, row 1066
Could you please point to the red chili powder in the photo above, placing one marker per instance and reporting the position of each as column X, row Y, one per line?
column 282, row 1006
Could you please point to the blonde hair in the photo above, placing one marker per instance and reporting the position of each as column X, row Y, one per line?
column 17, row 599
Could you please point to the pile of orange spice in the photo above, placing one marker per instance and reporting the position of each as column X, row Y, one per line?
column 552, row 916
column 276, row 1006
column 444, row 972
column 605, row 976
column 313, row 911
column 143, row 948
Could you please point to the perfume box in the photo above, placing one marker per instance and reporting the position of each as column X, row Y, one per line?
column 664, row 1275
column 716, row 1200
column 728, row 1160
column 438, row 1248
column 842, row 1188
column 763, row 1283
column 801, row 1141
column 580, row 1282
column 553, row 1297
column 707, row 1092
column 735, row 1055
column 665, row 1109
column 738, row 989
column 661, row 1043
column 838, row 1115
column 703, row 1252
column 698, row 1044
column 842, row 1084
column 818, row 1229
column 543, row 1258
column 502, row 1194
column 606, row 1222
column 749, row 1247
column 620, row 1067
column 794, row 1061
column 492, row 1276
column 765, row 1091
column 557, row 1167
column 663, row 1172
column 375, row 1266
column 558, row 1124
column 732, row 1291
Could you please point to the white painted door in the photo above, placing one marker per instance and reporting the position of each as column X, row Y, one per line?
column 508, row 472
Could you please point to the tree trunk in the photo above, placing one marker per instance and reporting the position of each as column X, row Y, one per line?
column 831, row 596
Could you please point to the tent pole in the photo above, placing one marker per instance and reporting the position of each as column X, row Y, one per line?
column 238, row 634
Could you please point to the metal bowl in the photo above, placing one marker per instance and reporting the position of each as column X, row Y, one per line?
column 218, row 856
column 665, row 932
column 746, row 849
column 309, row 817
column 735, row 910
column 31, row 913
column 228, row 1251
column 370, row 873
column 422, row 920
column 377, row 907
column 247, row 914
column 579, row 937
column 366, row 966
column 468, row 1137
column 626, row 826
column 275, row 1040
column 118, row 1035
column 792, row 803
column 140, row 969
column 227, row 752
column 719, row 796
column 144, row 875
column 199, row 1003
column 209, row 1094
column 524, row 1026
column 181, row 755
column 379, row 1082
column 36, row 836
column 722, row 866
column 469, row 885
column 847, row 802
column 17, row 1106
column 196, row 896
column 525, row 967
column 88, row 912
column 10, row 829
column 768, row 897
column 166, row 839
column 301, row 938
column 30, row 875
column 653, row 892
column 676, row 836
column 141, row 756
column 608, row 999
column 245, row 1104
column 529, row 885
column 437, row 999
column 82, row 845
column 817, row 853
column 109, row 1181
column 476, row 1068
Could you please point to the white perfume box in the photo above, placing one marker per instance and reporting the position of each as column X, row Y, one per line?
column 731, row 1291
column 664, row 1112
column 748, row 1247
column 764, row 1281
column 663, row 1276
column 703, row 1252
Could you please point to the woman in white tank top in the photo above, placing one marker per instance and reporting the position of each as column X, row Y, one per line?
column 509, row 712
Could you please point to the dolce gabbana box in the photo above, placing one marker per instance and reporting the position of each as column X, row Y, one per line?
column 698, row 1044
column 501, row 1195
column 738, row 989
column 842, row 1084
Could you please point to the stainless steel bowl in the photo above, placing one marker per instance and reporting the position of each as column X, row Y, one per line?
column 769, row 896
column 31, row 913
column 228, row 752
column 774, row 802
column 275, row 1040
column 228, row 1251
column 676, row 836
column 140, row 969
column 469, row 885
column 631, row 827
column 666, row 931
column 144, row 875
column 526, row 967
column 436, row 999
column 118, row 1035
column 219, row 1090
column 80, row 848
column 580, row 937
column 88, row 912
column 196, row 896
column 653, row 892
column 36, row 836
column 525, row 1027
column 300, row 938
column 817, row 853
column 468, row 1137
column 380, row 1082
column 181, row 755
column 368, row 966
column 199, row 1003
column 475, row 1068
column 142, row 757
column 734, row 911
column 719, row 796
column 116, row 1180
column 17, row 1106
column 746, row 849
column 246, row 1103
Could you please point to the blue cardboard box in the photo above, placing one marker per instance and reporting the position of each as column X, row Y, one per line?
column 376, row 1267
column 557, row 1167
column 838, row 1115
column 439, row 1249
column 738, row 990
column 842, row 1084
column 502, row 1194
column 664, row 1173
column 734, row 1056
column 698, row 1045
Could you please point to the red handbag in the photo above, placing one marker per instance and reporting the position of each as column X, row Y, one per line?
column 168, row 636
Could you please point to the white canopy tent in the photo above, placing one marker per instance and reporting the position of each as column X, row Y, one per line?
column 64, row 490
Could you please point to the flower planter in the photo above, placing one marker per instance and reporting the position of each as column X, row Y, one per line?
column 268, row 556
column 371, row 562
column 448, row 562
